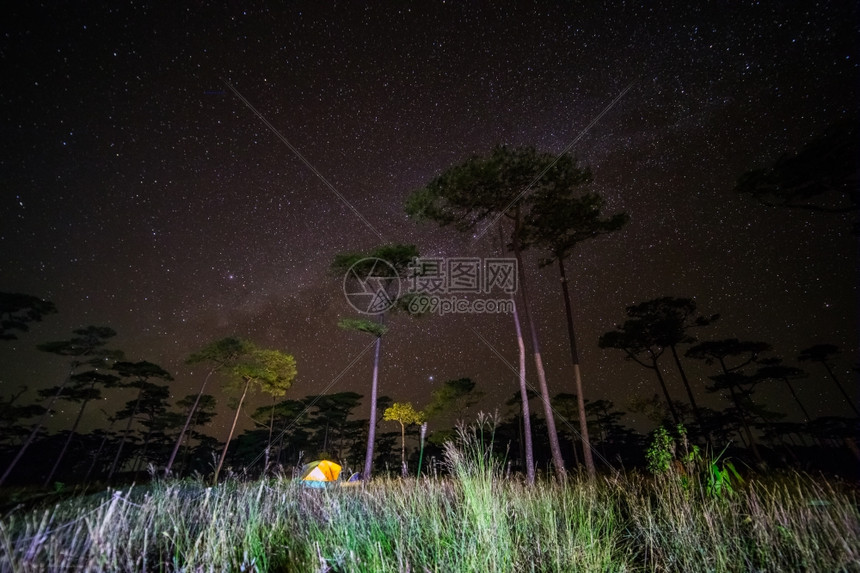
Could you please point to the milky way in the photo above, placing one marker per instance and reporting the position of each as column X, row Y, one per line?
column 138, row 190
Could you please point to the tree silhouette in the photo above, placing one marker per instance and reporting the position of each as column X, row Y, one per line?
column 11, row 414
column 722, row 424
column 405, row 414
column 330, row 420
column 481, row 191
column 288, row 415
column 732, row 377
column 823, row 176
column 202, row 410
column 821, row 353
column 665, row 323
column 836, row 430
column 372, row 279
column 657, row 411
column 634, row 338
column 84, row 349
column 275, row 387
column 18, row 310
column 358, row 268
column 217, row 354
column 566, row 406
column 273, row 371
column 453, row 396
column 139, row 374
column 106, row 435
column 606, row 424
column 774, row 369
column 81, row 390
column 155, row 418
column 558, row 221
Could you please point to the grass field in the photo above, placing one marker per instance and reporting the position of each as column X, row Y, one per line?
column 472, row 520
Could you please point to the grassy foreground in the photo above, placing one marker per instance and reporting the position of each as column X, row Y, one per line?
column 474, row 520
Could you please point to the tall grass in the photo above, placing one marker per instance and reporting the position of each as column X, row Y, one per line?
column 787, row 523
column 475, row 520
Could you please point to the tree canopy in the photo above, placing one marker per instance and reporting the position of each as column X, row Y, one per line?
column 822, row 176
column 18, row 310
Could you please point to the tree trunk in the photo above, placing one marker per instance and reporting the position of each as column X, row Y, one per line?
column 521, row 436
column 838, row 385
column 66, row 445
column 696, row 413
column 272, row 422
column 142, row 455
column 232, row 429
column 403, row 448
column 750, row 439
column 662, row 382
column 557, row 459
column 574, row 356
column 187, row 422
column 281, row 435
column 796, row 399
column 99, row 451
column 186, row 450
column 268, row 449
column 36, row 428
column 371, row 433
column 526, row 443
column 125, row 433
column 739, row 406
column 524, row 398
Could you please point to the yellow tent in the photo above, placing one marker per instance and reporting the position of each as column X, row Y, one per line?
column 320, row 471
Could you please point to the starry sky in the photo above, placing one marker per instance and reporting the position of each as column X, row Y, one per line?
column 139, row 191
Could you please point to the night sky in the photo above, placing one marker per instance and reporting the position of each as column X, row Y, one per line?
column 138, row 191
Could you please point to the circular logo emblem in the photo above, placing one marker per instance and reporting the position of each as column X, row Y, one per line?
column 371, row 285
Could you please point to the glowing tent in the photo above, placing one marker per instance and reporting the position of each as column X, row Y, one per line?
column 320, row 472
